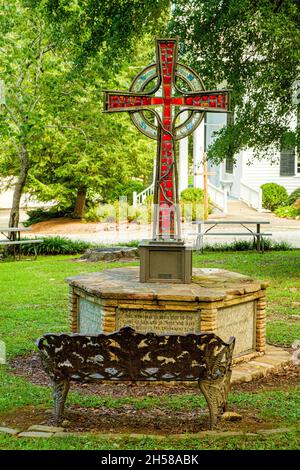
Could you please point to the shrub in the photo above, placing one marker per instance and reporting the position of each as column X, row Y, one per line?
column 273, row 196
column 293, row 197
column 126, row 189
column 134, row 214
column 288, row 211
column 192, row 195
column 247, row 245
column 100, row 213
column 41, row 214
column 191, row 203
column 113, row 213
column 56, row 246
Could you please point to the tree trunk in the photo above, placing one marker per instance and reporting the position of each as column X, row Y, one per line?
column 15, row 210
column 80, row 202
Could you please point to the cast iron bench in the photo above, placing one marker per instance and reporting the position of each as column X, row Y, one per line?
column 127, row 355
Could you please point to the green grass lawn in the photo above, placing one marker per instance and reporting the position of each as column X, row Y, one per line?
column 34, row 300
column 282, row 269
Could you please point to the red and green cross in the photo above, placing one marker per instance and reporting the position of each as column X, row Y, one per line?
column 166, row 101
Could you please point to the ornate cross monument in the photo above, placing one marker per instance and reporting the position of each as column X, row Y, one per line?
column 165, row 258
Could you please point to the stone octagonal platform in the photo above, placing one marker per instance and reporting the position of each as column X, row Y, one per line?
column 217, row 300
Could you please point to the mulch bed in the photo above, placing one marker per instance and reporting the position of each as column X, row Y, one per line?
column 31, row 368
column 128, row 419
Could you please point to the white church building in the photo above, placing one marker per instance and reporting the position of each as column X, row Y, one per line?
column 240, row 181
column 243, row 179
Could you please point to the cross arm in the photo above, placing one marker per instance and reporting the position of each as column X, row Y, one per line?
column 118, row 101
column 210, row 100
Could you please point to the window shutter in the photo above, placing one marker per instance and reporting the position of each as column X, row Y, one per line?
column 287, row 162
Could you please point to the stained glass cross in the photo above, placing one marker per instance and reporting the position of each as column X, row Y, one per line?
column 171, row 100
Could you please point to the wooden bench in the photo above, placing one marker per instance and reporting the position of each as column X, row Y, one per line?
column 14, row 243
column 127, row 355
column 258, row 236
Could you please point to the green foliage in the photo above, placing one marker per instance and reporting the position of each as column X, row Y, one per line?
column 294, row 196
column 246, row 245
column 288, row 211
column 114, row 27
column 104, row 153
column 273, row 196
column 133, row 214
column 27, row 61
column 119, row 212
column 56, row 246
column 191, row 204
column 51, row 122
column 253, row 48
column 100, row 213
column 192, row 195
column 41, row 214
column 126, row 189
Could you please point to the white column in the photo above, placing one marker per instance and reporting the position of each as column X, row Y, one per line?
column 198, row 149
column 183, row 159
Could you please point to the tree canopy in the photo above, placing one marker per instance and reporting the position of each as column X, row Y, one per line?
column 113, row 26
column 254, row 49
column 54, row 139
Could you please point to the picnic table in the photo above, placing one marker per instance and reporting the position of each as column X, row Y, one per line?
column 256, row 233
column 15, row 239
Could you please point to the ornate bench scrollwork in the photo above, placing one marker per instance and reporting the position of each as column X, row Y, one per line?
column 128, row 355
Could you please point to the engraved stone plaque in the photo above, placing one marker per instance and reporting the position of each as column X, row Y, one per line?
column 238, row 321
column 159, row 321
column 90, row 317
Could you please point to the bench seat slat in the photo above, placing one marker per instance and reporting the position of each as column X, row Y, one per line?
column 230, row 222
column 249, row 234
column 19, row 242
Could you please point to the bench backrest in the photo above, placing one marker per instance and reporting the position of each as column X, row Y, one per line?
column 130, row 355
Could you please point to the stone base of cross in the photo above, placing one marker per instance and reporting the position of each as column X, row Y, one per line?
column 166, row 101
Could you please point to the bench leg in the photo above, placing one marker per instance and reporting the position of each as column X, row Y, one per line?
column 216, row 395
column 35, row 251
column 199, row 243
column 260, row 247
column 60, row 392
column 258, row 237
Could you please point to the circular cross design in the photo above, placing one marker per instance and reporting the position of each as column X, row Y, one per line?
column 142, row 80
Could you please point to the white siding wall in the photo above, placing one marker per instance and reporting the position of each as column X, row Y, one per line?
column 263, row 171
column 213, row 123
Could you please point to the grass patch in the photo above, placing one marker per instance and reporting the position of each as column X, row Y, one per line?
column 282, row 269
column 34, row 298
column 284, row 441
